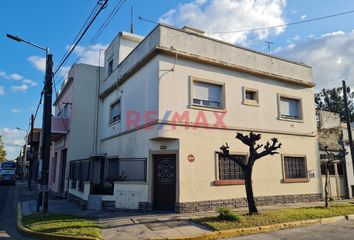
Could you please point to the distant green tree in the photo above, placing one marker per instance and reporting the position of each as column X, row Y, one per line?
column 2, row 151
column 332, row 100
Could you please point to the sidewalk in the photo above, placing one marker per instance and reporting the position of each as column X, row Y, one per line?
column 136, row 225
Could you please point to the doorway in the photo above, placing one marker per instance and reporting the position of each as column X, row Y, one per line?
column 164, row 186
column 62, row 172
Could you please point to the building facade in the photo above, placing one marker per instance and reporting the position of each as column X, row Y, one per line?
column 74, row 123
column 167, row 102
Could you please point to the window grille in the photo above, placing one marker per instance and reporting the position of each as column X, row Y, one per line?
column 105, row 171
column 295, row 167
column 229, row 169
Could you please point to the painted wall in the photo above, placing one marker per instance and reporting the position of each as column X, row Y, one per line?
column 199, row 45
column 83, row 118
column 176, row 85
column 62, row 143
column 121, row 46
column 196, row 179
column 138, row 96
column 82, row 93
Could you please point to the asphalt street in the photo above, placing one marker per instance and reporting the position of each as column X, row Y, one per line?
column 343, row 230
column 8, row 214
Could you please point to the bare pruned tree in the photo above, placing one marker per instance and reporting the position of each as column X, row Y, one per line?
column 254, row 154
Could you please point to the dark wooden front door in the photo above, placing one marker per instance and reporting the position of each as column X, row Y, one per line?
column 62, row 171
column 164, row 182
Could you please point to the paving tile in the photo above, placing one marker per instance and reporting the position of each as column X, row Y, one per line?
column 26, row 208
column 168, row 233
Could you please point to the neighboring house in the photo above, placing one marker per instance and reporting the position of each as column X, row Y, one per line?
column 167, row 104
column 330, row 135
column 348, row 161
column 73, row 125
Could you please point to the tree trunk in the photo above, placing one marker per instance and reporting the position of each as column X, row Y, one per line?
column 326, row 185
column 249, row 191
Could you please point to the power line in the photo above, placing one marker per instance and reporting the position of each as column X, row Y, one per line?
column 98, row 33
column 66, row 56
column 287, row 24
column 39, row 104
column 114, row 11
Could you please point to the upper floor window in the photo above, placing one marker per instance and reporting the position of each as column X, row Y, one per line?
column 115, row 112
column 110, row 67
column 207, row 94
column 250, row 96
column 290, row 108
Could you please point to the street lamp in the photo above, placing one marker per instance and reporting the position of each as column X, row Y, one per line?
column 18, row 39
column 46, row 121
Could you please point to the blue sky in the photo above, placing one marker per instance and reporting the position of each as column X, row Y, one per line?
column 325, row 45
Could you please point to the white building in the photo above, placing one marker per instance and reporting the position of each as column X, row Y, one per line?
column 170, row 100
column 74, row 125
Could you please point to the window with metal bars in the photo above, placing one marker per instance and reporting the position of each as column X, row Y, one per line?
column 229, row 169
column 295, row 167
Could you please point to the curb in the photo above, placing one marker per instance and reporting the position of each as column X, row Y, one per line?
column 40, row 235
column 261, row 229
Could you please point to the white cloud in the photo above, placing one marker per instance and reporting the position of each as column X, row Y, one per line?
column 38, row 62
column 21, row 88
column 215, row 16
column 15, row 110
column 330, row 55
column 333, row 34
column 92, row 56
column 30, row 82
column 13, row 139
column 303, row 17
column 15, row 76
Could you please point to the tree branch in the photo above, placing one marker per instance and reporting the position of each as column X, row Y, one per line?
column 226, row 154
column 269, row 149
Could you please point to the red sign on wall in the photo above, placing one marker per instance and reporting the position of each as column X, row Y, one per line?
column 191, row 158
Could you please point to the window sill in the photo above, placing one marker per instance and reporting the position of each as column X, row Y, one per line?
column 113, row 123
column 207, row 108
column 291, row 120
column 295, row 180
column 251, row 103
column 229, row 182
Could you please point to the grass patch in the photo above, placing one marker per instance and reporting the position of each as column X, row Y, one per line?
column 226, row 214
column 278, row 216
column 63, row 225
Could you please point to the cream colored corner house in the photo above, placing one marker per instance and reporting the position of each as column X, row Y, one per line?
column 176, row 98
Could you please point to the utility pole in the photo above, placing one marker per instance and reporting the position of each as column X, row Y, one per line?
column 46, row 121
column 46, row 129
column 30, row 172
column 347, row 117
